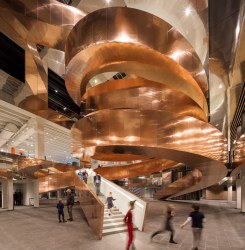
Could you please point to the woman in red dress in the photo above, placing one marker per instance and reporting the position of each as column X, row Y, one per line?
column 129, row 220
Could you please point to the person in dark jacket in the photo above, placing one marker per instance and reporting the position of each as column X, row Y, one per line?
column 70, row 202
column 197, row 219
column 167, row 225
column 109, row 201
column 97, row 181
column 60, row 207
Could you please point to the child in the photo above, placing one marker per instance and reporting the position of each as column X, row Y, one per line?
column 60, row 207
column 109, row 202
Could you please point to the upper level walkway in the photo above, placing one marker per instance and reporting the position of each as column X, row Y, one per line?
column 38, row 228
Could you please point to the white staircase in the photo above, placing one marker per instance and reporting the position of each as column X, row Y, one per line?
column 114, row 223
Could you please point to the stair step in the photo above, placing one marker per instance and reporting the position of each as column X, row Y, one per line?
column 113, row 209
column 115, row 230
column 113, row 220
column 106, row 217
column 113, row 212
column 114, row 224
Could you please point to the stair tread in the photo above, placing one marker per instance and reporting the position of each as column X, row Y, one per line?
column 113, row 220
column 116, row 230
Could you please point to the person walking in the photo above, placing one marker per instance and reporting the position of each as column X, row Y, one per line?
column 197, row 219
column 109, row 201
column 128, row 219
column 60, row 207
column 97, row 181
column 70, row 202
column 168, row 226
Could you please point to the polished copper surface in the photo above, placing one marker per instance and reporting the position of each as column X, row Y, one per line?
column 129, row 171
column 119, row 24
column 119, row 157
column 131, row 59
column 187, row 181
column 158, row 110
column 151, row 128
column 141, row 94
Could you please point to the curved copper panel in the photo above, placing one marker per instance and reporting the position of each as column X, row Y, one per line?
column 141, row 94
column 212, row 171
column 187, row 181
column 131, row 59
column 119, row 157
column 118, row 24
column 129, row 171
column 151, row 128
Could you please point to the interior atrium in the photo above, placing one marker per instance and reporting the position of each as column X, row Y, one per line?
column 119, row 108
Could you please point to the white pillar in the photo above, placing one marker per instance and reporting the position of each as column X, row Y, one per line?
column 4, row 194
column 229, row 191
column 10, row 191
column 36, row 193
column 243, row 194
column 7, row 194
column 238, row 193
column 58, row 194
column 39, row 139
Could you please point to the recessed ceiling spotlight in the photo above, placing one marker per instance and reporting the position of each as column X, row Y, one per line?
column 56, row 91
column 220, row 86
column 64, row 108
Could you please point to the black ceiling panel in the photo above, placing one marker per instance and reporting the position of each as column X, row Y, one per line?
column 12, row 58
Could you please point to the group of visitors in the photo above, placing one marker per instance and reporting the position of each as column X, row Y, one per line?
column 70, row 203
column 196, row 217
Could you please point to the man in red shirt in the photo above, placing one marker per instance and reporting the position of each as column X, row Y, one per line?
column 129, row 220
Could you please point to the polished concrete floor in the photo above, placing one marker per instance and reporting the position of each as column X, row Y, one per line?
column 38, row 229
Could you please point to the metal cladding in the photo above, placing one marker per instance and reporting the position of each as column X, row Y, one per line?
column 158, row 111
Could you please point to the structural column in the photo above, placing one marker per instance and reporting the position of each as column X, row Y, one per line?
column 36, row 193
column 243, row 194
column 39, row 139
column 238, row 193
column 7, row 194
column 229, row 191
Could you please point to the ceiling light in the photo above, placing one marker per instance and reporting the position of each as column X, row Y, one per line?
column 56, row 91
column 108, row 1
column 187, row 11
column 220, row 86
column 64, row 108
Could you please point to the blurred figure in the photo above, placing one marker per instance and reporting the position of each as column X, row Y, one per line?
column 60, row 207
column 85, row 176
column 70, row 202
column 109, row 201
column 80, row 174
column 197, row 219
column 97, row 181
column 167, row 226
column 128, row 219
